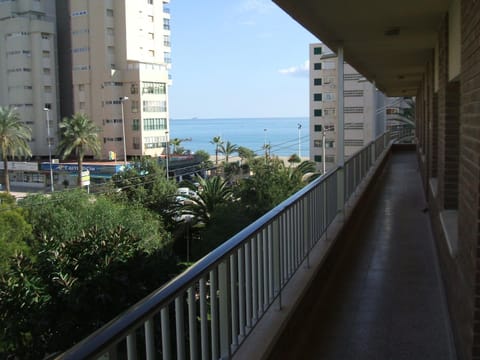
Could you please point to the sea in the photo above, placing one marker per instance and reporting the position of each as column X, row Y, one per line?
column 282, row 134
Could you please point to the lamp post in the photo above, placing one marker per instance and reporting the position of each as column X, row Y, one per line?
column 122, row 100
column 324, row 134
column 299, row 127
column 167, row 147
column 47, row 112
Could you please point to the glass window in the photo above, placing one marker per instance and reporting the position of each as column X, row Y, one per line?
column 317, row 81
column 317, row 127
column 318, row 158
column 317, row 112
column 317, row 66
column 317, row 97
column 317, row 51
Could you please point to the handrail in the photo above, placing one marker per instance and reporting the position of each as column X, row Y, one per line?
column 256, row 263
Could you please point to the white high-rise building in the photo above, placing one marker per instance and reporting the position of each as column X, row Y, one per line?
column 29, row 67
column 120, row 58
column 363, row 115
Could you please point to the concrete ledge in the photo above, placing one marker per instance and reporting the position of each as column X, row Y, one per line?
column 263, row 337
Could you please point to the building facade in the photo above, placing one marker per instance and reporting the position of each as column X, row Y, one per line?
column 28, row 63
column 363, row 108
column 120, row 60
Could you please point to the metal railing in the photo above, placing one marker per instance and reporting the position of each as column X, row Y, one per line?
column 207, row 311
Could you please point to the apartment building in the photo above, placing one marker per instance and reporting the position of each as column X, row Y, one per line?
column 364, row 114
column 29, row 67
column 119, row 55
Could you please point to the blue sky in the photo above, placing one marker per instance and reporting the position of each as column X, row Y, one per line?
column 237, row 58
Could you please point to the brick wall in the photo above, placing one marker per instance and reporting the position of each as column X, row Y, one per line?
column 469, row 172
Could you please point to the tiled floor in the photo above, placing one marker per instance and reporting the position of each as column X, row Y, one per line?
column 385, row 300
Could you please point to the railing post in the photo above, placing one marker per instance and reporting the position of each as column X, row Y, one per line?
column 224, row 307
column 277, row 262
column 341, row 189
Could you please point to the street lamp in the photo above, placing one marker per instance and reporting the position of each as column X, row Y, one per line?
column 47, row 111
column 122, row 100
column 299, row 126
column 167, row 147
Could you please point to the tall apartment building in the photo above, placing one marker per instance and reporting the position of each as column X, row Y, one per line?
column 29, row 67
column 363, row 104
column 120, row 49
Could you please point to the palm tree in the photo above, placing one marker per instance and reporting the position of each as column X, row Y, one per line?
column 228, row 149
column 217, row 141
column 14, row 138
column 175, row 143
column 214, row 192
column 79, row 134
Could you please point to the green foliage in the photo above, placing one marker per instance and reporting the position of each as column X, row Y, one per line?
column 245, row 153
column 217, row 141
column 228, row 149
column 144, row 184
column 15, row 232
column 14, row 138
column 203, row 156
column 94, row 258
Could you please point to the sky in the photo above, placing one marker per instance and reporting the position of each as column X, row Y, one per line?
column 237, row 59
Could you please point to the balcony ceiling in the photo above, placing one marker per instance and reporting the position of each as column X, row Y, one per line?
column 388, row 41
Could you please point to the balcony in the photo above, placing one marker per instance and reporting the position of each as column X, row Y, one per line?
column 346, row 268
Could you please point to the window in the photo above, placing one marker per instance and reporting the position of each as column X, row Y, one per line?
column 46, row 71
column 150, row 2
column 317, row 82
column 151, row 53
column 110, row 12
column 317, row 112
column 45, row 53
column 317, row 51
column 151, row 35
column 329, row 96
column 150, row 18
column 136, row 124
column 154, row 124
column 329, row 144
column 329, row 111
column 353, row 93
column 354, row 110
column 154, row 106
column 111, row 50
column 134, row 106
column 354, row 142
column 329, row 65
column 317, row 143
column 81, row 106
column 317, row 128
column 110, row 31
column 136, row 143
column 153, row 88
column 318, row 158
column 79, row 13
column 317, row 97
column 166, row 24
column 317, row 66
column 166, row 58
column 47, row 89
column 329, row 127
column 134, row 89
column 81, row 87
column 166, row 40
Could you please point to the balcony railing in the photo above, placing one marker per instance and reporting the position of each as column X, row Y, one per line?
column 208, row 311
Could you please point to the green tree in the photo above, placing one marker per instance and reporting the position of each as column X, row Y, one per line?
column 94, row 258
column 14, row 138
column 15, row 232
column 228, row 149
column 79, row 135
column 212, row 192
column 144, row 184
column 294, row 159
column 217, row 141
column 176, row 142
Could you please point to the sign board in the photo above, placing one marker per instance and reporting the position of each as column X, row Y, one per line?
column 20, row 166
column 85, row 179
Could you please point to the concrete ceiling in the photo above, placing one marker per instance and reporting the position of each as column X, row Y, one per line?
column 389, row 41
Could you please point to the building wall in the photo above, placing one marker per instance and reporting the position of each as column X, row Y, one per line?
column 449, row 151
column 121, row 49
column 361, row 102
column 28, row 61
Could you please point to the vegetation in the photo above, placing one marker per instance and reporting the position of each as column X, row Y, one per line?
column 217, row 141
column 71, row 261
column 14, row 138
column 78, row 135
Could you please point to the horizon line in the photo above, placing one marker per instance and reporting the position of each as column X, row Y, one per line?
column 241, row 117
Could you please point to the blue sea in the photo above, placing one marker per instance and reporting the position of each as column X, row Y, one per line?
column 281, row 133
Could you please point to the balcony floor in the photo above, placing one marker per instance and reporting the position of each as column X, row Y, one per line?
column 384, row 299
